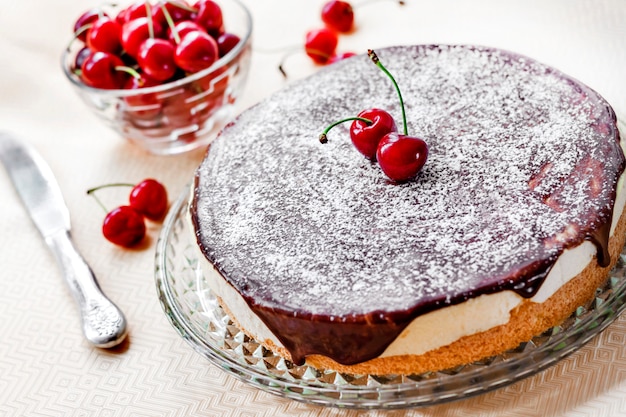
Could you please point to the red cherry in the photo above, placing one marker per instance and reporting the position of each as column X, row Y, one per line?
column 196, row 51
column 124, row 226
column 185, row 108
column 100, row 70
column 156, row 58
column 366, row 137
column 140, row 81
column 144, row 106
column 226, row 42
column 210, row 17
column 105, row 36
column 338, row 15
column 320, row 45
column 182, row 28
column 401, row 157
column 120, row 18
column 135, row 32
column 84, row 21
column 340, row 57
column 178, row 10
column 149, row 198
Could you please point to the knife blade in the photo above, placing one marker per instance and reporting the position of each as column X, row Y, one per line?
column 103, row 323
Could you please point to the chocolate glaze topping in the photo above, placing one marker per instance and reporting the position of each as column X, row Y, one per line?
column 523, row 163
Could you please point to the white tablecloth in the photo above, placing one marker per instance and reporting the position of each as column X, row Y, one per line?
column 48, row 369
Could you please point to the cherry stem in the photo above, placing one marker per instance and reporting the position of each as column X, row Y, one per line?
column 170, row 23
column 379, row 64
column 115, row 184
column 324, row 138
column 83, row 28
column 99, row 202
column 366, row 2
column 92, row 191
column 132, row 71
column 148, row 14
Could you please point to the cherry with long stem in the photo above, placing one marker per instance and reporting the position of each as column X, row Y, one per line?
column 323, row 136
column 123, row 225
column 366, row 130
column 171, row 24
column 400, row 157
column 338, row 15
column 149, row 197
column 101, row 70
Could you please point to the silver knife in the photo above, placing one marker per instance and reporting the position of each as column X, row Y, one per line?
column 103, row 322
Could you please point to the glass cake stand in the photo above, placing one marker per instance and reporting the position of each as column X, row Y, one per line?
column 194, row 312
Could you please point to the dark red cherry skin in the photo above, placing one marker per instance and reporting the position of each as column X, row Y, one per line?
column 320, row 44
column 177, row 109
column 84, row 20
column 142, row 106
column 156, row 58
column 338, row 15
column 366, row 137
column 209, row 16
column 99, row 70
column 141, row 81
column 105, row 35
column 215, row 82
column 182, row 28
column 226, row 42
column 179, row 11
column 196, row 51
column 401, row 157
column 124, row 226
column 135, row 11
column 149, row 198
column 135, row 32
column 80, row 57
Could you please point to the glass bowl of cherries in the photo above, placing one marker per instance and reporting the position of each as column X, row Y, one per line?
column 164, row 74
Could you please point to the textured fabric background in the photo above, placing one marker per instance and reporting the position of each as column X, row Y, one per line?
column 47, row 369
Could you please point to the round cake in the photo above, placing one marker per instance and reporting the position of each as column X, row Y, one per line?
column 512, row 223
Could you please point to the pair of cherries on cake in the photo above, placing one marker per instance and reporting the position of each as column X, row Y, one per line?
column 374, row 134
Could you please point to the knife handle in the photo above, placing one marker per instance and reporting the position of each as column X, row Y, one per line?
column 103, row 322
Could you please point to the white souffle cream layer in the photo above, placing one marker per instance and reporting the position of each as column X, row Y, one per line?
column 443, row 326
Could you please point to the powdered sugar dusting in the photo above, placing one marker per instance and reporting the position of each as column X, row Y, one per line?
column 518, row 155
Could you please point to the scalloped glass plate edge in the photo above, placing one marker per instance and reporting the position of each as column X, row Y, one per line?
column 195, row 314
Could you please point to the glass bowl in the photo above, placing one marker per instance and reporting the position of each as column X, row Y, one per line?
column 180, row 115
column 193, row 310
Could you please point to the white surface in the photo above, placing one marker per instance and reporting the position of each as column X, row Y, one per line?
column 46, row 367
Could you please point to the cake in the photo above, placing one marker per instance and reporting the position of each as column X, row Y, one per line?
column 513, row 222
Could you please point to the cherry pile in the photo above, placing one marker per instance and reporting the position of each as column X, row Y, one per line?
column 321, row 44
column 374, row 134
column 147, row 44
column 125, row 225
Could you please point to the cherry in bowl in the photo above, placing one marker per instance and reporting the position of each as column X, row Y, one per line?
column 148, row 98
